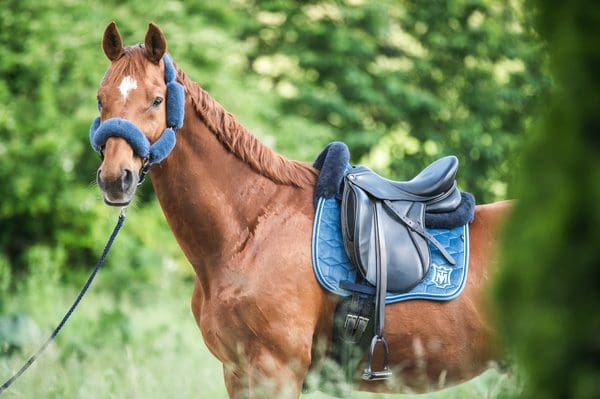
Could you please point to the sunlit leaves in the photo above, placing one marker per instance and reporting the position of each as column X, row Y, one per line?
column 460, row 75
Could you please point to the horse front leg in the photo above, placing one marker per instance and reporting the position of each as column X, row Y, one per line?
column 265, row 375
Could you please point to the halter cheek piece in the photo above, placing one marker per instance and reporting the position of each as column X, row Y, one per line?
column 119, row 127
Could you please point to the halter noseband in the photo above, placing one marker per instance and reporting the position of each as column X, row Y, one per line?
column 119, row 127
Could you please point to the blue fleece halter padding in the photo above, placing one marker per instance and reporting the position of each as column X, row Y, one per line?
column 175, row 105
column 162, row 147
column 175, row 96
column 170, row 72
column 118, row 127
column 100, row 132
column 121, row 128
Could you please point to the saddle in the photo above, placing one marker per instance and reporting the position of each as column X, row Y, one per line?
column 384, row 235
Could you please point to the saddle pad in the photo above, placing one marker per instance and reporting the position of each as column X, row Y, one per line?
column 331, row 265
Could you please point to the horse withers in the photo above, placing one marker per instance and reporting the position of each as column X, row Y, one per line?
column 243, row 215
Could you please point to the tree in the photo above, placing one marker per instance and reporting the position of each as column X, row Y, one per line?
column 404, row 82
column 39, row 146
column 548, row 290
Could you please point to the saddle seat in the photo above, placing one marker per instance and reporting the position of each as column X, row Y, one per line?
column 435, row 185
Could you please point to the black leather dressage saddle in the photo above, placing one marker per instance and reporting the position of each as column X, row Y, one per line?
column 383, row 228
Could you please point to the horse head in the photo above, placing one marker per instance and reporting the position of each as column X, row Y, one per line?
column 140, row 104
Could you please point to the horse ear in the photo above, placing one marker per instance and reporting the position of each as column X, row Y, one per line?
column 112, row 44
column 155, row 43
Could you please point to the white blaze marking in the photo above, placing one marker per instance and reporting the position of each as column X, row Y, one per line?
column 127, row 84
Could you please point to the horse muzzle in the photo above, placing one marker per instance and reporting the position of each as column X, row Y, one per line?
column 117, row 189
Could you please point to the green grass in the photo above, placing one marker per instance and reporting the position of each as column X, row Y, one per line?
column 144, row 344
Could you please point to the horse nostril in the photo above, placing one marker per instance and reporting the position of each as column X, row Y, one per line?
column 127, row 179
column 99, row 179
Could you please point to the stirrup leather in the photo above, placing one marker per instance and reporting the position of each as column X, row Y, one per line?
column 381, row 289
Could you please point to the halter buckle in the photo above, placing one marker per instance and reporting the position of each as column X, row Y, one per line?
column 144, row 170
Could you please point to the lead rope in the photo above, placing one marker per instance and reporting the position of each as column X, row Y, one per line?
column 60, row 325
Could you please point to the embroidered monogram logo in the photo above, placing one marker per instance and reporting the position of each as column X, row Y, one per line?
column 441, row 276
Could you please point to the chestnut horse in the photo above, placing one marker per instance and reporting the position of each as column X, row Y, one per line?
column 243, row 217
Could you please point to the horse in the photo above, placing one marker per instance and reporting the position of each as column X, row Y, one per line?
column 242, row 215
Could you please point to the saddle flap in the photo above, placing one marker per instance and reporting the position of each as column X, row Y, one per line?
column 357, row 219
column 407, row 252
column 404, row 253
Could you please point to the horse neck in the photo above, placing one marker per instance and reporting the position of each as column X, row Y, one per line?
column 212, row 199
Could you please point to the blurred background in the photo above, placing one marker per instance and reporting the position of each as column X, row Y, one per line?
column 401, row 82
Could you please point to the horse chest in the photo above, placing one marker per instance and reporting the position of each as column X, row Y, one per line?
column 245, row 315
column 230, row 319
column 249, row 304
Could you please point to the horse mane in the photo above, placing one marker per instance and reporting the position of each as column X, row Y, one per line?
column 239, row 141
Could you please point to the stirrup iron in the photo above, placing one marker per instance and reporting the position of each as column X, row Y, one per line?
column 385, row 373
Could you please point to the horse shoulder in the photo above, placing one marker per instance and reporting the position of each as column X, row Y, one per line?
column 265, row 294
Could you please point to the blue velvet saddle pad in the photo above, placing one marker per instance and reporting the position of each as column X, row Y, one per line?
column 331, row 265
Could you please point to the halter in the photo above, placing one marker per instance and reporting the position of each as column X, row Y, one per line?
column 119, row 127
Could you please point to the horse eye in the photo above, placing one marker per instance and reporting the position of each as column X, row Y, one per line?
column 99, row 104
column 157, row 101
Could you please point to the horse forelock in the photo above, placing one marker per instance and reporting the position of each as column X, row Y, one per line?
column 133, row 62
column 239, row 141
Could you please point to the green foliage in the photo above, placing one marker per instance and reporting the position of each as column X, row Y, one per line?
column 16, row 332
column 400, row 82
column 548, row 292
column 5, row 278
column 403, row 83
column 43, row 186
